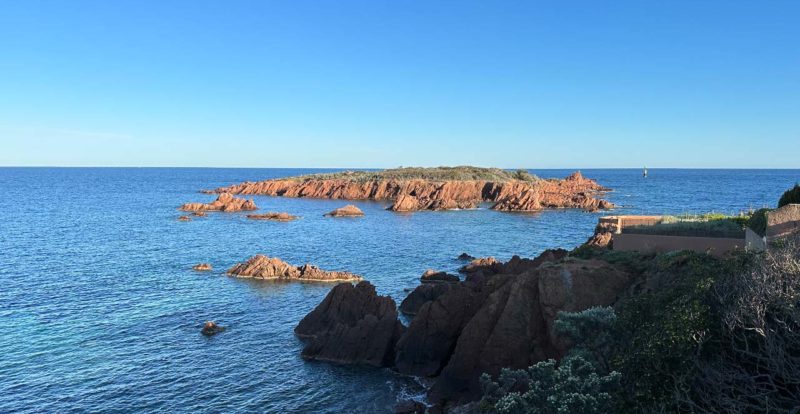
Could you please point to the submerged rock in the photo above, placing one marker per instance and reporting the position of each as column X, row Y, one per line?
column 272, row 216
column 272, row 268
column 352, row 325
column 225, row 202
column 199, row 214
column 211, row 328
column 184, row 218
column 346, row 211
column 202, row 267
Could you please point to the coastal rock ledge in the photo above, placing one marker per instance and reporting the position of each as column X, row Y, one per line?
column 501, row 316
column 225, row 202
column 352, row 325
column 272, row 268
column 442, row 188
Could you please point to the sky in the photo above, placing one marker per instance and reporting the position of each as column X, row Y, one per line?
column 377, row 84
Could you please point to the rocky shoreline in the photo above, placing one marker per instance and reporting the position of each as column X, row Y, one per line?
column 500, row 316
column 436, row 190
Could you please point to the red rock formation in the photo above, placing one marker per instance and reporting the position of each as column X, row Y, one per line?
column 184, row 218
column 346, row 211
column 574, row 191
column 202, row 267
column 272, row 268
column 352, row 325
column 272, row 216
column 461, row 330
column 199, row 214
column 225, row 202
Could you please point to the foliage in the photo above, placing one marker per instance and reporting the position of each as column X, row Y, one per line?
column 659, row 331
column 791, row 196
column 758, row 221
column 573, row 387
column 524, row 175
column 580, row 383
column 461, row 173
column 755, row 366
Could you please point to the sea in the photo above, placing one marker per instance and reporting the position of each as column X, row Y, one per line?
column 100, row 311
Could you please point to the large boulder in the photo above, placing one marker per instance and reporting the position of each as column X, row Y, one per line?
column 346, row 211
column 225, row 202
column 352, row 325
column 514, row 326
column 273, row 268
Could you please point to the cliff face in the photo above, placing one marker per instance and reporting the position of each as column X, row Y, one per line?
column 574, row 191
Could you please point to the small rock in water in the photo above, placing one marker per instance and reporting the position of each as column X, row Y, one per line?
column 346, row 211
column 199, row 214
column 202, row 267
column 210, row 328
column 464, row 256
column 184, row 218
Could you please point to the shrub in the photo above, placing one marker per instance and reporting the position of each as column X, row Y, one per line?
column 524, row 175
column 580, row 383
column 574, row 386
column 791, row 196
column 659, row 331
column 758, row 222
column 756, row 363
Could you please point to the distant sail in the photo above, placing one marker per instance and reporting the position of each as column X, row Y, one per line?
column 644, row 174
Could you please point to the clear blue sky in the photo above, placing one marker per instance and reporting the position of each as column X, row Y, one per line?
column 386, row 83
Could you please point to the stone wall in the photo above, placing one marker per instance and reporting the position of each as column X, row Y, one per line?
column 716, row 246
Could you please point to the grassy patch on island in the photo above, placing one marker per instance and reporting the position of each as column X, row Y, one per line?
column 461, row 173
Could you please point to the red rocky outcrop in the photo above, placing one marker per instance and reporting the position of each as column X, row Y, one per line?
column 574, row 191
column 346, row 211
column 272, row 268
column 225, row 202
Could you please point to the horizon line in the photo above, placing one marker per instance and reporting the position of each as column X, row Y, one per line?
column 386, row 168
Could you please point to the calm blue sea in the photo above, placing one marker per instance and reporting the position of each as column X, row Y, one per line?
column 100, row 311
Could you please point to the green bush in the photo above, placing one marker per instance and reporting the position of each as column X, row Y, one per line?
column 758, row 222
column 572, row 387
column 791, row 196
column 524, row 175
column 659, row 331
column 580, row 383
column 755, row 363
